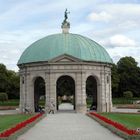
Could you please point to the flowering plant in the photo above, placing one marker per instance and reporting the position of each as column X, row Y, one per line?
column 19, row 126
column 114, row 124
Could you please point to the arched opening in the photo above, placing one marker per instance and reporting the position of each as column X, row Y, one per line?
column 91, row 92
column 65, row 93
column 39, row 94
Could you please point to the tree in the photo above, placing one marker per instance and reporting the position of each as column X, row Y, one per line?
column 3, row 97
column 126, row 64
column 127, row 94
column 129, row 76
column 13, row 85
column 3, row 78
column 9, row 82
column 115, row 77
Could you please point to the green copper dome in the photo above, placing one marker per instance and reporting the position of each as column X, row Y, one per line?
column 55, row 45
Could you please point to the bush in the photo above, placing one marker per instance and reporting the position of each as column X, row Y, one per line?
column 127, row 94
column 3, row 97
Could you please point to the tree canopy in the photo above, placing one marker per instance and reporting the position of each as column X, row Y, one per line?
column 9, row 82
column 126, row 77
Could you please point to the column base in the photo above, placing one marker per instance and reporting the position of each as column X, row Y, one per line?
column 81, row 108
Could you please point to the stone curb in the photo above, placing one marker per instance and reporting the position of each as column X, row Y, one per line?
column 115, row 130
column 23, row 130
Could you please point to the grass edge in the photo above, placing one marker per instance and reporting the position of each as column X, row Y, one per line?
column 114, row 130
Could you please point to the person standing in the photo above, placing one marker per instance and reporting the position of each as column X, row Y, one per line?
column 52, row 107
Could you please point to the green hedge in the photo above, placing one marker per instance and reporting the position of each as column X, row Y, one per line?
column 14, row 102
column 124, row 100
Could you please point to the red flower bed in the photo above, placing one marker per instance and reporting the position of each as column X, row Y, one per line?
column 114, row 124
column 12, row 130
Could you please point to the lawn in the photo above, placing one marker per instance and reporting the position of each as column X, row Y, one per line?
column 7, row 121
column 123, row 100
column 13, row 102
column 131, row 121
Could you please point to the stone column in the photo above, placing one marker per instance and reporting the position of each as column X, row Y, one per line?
column 29, row 93
column 108, row 97
column 22, row 94
column 110, row 94
column 83, row 93
column 99, row 96
column 47, row 90
column 103, row 93
column 52, row 87
column 80, row 93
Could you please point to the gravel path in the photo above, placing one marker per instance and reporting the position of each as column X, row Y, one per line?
column 68, row 126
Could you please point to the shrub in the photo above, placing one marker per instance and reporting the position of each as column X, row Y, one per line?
column 3, row 97
column 127, row 94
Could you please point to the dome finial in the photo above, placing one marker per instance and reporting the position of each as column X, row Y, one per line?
column 65, row 24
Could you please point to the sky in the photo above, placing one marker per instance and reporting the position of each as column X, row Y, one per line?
column 115, row 24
